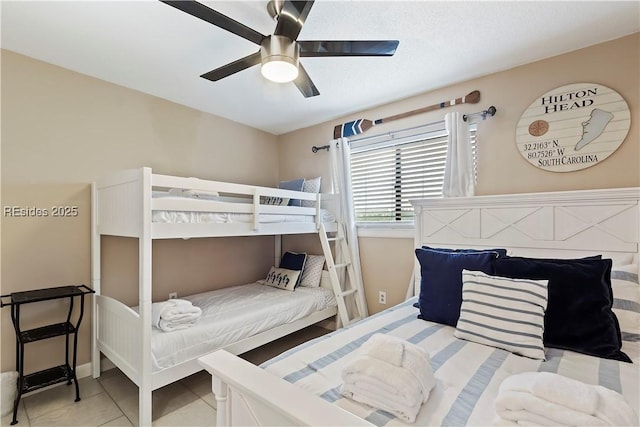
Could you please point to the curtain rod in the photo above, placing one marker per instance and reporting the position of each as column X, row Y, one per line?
column 390, row 134
column 491, row 111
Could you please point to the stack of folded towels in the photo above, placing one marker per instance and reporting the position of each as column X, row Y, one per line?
column 174, row 314
column 547, row 399
column 391, row 374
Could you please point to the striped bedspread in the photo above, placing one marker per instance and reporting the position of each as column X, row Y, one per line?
column 467, row 374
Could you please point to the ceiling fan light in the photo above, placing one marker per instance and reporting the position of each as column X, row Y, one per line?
column 279, row 70
column 279, row 59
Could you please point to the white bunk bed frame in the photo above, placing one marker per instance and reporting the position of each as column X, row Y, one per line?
column 555, row 224
column 122, row 205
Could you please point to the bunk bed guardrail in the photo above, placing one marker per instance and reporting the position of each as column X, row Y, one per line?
column 125, row 202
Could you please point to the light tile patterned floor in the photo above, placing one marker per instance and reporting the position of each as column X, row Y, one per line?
column 112, row 399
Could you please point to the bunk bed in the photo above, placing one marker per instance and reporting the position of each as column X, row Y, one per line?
column 141, row 204
column 303, row 385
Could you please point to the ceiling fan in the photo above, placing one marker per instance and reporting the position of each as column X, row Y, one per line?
column 280, row 52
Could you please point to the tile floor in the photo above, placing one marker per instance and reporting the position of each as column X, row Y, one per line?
column 112, row 399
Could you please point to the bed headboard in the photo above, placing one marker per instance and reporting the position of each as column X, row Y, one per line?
column 555, row 224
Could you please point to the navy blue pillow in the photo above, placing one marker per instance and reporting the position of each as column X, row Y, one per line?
column 441, row 281
column 501, row 252
column 293, row 185
column 578, row 315
column 294, row 261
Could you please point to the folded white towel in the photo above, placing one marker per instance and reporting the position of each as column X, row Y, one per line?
column 382, row 385
column 614, row 409
column 369, row 396
column 391, row 374
column 560, row 400
column 555, row 388
column 525, row 418
column 401, row 353
column 498, row 421
column 174, row 314
column 391, row 382
column 384, row 347
column 519, row 402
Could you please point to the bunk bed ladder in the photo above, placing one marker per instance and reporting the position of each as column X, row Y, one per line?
column 337, row 265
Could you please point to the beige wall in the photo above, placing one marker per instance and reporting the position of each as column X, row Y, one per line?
column 501, row 168
column 61, row 130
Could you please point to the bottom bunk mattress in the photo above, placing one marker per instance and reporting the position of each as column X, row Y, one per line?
column 234, row 313
column 467, row 374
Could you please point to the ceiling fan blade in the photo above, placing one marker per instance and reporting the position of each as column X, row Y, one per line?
column 320, row 48
column 292, row 17
column 304, row 83
column 233, row 67
column 216, row 18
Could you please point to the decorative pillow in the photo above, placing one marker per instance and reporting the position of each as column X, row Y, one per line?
column 503, row 313
column 311, row 186
column 501, row 252
column 282, row 278
column 626, row 300
column 579, row 315
column 441, row 281
column 277, row 201
column 294, row 261
column 312, row 273
column 293, row 185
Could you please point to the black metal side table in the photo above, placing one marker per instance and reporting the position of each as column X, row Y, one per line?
column 56, row 374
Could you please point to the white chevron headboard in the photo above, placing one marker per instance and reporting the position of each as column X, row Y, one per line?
column 555, row 224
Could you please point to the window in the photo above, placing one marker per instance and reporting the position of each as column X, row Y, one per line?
column 390, row 170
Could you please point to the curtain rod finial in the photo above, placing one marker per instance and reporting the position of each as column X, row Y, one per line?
column 316, row 149
column 491, row 111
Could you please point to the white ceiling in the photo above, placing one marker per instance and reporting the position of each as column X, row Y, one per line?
column 154, row 48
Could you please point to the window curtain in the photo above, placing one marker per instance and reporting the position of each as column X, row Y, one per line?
column 340, row 161
column 459, row 180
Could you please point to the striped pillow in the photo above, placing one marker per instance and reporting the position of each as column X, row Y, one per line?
column 504, row 313
column 626, row 300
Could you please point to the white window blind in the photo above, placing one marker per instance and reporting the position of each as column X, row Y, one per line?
column 388, row 171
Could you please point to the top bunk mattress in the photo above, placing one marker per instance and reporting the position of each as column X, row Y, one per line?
column 207, row 217
column 191, row 217
column 234, row 313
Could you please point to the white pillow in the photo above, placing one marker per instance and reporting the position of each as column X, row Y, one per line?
column 312, row 273
column 310, row 186
column 282, row 278
column 504, row 313
column 626, row 300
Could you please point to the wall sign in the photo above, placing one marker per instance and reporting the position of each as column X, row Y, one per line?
column 573, row 127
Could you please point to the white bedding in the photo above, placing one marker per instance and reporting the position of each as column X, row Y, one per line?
column 184, row 217
column 196, row 217
column 234, row 313
column 467, row 374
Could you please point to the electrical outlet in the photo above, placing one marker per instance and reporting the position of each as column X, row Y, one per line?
column 173, row 295
column 382, row 297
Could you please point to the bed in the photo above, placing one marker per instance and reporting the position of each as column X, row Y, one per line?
column 141, row 204
column 232, row 314
column 302, row 386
